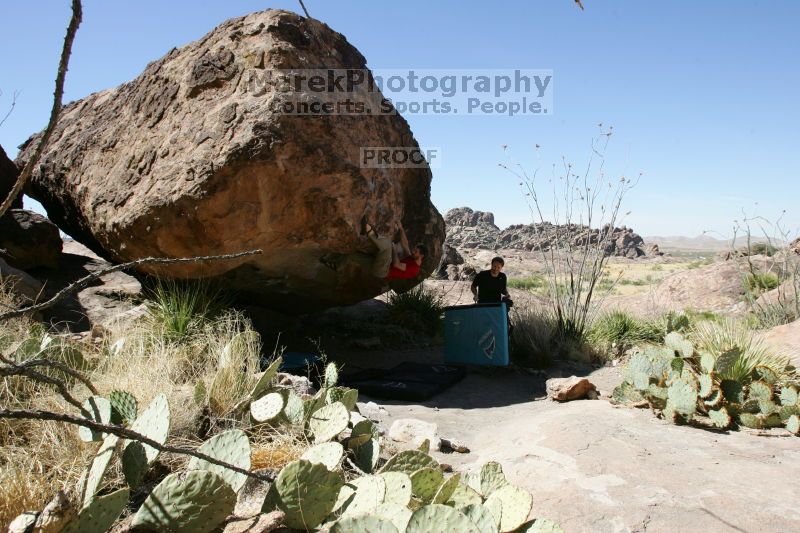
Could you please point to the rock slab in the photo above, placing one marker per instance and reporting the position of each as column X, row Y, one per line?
column 194, row 157
column 28, row 240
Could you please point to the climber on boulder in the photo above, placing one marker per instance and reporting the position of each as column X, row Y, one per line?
column 395, row 260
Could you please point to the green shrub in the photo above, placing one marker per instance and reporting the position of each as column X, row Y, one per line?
column 762, row 282
column 180, row 308
column 419, row 310
column 529, row 283
column 621, row 331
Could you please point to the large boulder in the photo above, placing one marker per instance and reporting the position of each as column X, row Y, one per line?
column 8, row 176
column 29, row 240
column 193, row 158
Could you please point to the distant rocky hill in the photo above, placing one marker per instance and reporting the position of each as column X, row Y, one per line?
column 476, row 229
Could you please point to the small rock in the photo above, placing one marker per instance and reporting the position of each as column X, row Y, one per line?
column 415, row 432
column 23, row 523
column 571, row 388
column 355, row 418
column 21, row 284
column 300, row 384
column 454, row 445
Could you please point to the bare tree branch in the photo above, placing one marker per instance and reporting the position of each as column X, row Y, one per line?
column 58, row 365
column 304, row 9
column 123, row 432
column 14, row 369
column 10, row 109
column 72, row 29
column 84, row 281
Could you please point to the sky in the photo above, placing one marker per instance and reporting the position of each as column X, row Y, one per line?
column 702, row 96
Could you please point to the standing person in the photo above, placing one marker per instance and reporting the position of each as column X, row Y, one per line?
column 395, row 260
column 489, row 286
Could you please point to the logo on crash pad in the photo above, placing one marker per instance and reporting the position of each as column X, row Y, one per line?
column 488, row 343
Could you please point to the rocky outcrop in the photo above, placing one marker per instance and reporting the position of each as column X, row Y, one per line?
column 453, row 267
column 476, row 229
column 8, row 176
column 196, row 157
column 28, row 240
column 795, row 246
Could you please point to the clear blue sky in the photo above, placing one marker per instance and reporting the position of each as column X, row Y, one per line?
column 703, row 96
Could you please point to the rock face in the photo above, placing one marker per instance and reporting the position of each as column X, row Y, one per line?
column 191, row 158
column 476, row 229
column 795, row 246
column 8, row 176
column 29, row 240
column 453, row 267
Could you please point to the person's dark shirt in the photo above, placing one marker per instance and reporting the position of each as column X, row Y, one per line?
column 490, row 289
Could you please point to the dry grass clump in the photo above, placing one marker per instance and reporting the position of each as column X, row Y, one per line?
column 276, row 450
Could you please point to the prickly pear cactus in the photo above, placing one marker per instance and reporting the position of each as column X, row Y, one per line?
column 362, row 495
column 98, row 468
column 481, row 517
column 97, row 409
column 347, row 396
column 425, row 483
column 440, row 518
column 399, row 515
column 540, row 525
column 267, row 408
column 793, row 425
column 789, row 396
column 124, row 407
column 293, row 409
column 720, row 418
column 706, row 385
column 331, row 376
column 153, row 423
column 363, row 524
column 328, row 454
column 681, row 399
column 134, row 463
column 362, row 432
column 760, row 421
column 676, row 341
column 409, row 461
column 328, row 421
column 625, row 393
column 398, row 488
column 195, row 501
column 463, row 495
column 766, row 374
column 491, row 478
column 707, row 362
column 306, row 493
column 732, row 390
column 726, row 362
column 264, row 381
column 99, row 514
column 759, row 390
column 516, row 505
column 367, row 455
column 446, row 490
column 232, row 447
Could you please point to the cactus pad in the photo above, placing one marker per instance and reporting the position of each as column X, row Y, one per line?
column 675, row 341
column 681, row 398
column 726, row 361
column 362, row 495
column 134, row 463
column 362, row 432
column 706, row 385
column 264, row 381
column 759, row 421
column 232, row 447
column 626, row 393
column 440, row 518
column 399, row 515
column 540, row 525
column 331, row 376
column 767, row 407
column 197, row 501
column 409, row 461
column 367, row 455
column 463, row 496
column 425, row 483
column 153, row 423
column 491, row 478
column 766, row 374
column 759, row 390
column 348, row 397
column 328, row 421
column 793, row 425
column 293, row 408
column 98, row 468
column 363, row 524
column 447, row 489
column 495, row 508
column 96, row 409
column 307, row 493
column 124, row 407
column 707, row 362
column 732, row 390
column 100, row 514
column 720, row 418
column 516, row 505
column 267, row 408
column 715, row 400
column 398, row 488
column 789, row 395
column 482, row 517
column 328, row 454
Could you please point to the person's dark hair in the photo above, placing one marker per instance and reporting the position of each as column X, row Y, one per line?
column 422, row 249
column 498, row 259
